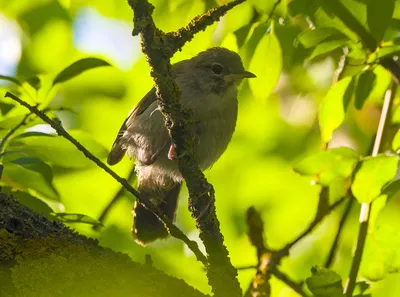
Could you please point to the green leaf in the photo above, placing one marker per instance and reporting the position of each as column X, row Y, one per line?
column 327, row 47
column 32, row 133
column 31, row 202
column 325, row 283
column 329, row 165
column 76, row 218
column 267, row 65
column 334, row 106
column 59, row 151
column 383, row 243
column 396, row 142
column 11, row 79
column 30, row 173
column 304, row 7
column 379, row 15
column 365, row 85
column 6, row 108
column 35, row 82
column 313, row 37
column 78, row 67
column 372, row 175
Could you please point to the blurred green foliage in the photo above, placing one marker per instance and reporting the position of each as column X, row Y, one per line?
column 318, row 87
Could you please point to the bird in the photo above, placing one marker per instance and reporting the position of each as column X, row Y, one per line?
column 208, row 84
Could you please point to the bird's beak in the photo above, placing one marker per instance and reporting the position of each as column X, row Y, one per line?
column 241, row 75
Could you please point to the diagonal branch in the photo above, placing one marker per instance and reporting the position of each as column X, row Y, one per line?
column 175, row 231
column 159, row 48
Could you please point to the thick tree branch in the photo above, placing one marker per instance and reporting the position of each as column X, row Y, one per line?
column 43, row 258
column 159, row 48
column 175, row 232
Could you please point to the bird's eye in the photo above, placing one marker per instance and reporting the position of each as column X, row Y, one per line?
column 217, row 68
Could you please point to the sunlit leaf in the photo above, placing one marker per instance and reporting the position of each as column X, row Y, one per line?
column 365, row 85
column 35, row 82
column 325, row 283
column 334, row 106
column 30, row 173
column 76, row 218
column 382, row 253
column 267, row 65
column 252, row 39
column 326, row 47
column 11, row 79
column 379, row 15
column 372, row 175
column 329, row 165
column 32, row 133
column 78, row 67
column 59, row 151
column 396, row 142
column 392, row 189
column 313, row 37
column 5, row 108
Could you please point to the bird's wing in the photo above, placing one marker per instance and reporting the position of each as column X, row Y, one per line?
column 118, row 151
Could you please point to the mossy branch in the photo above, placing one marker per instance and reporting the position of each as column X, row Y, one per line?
column 43, row 258
column 159, row 47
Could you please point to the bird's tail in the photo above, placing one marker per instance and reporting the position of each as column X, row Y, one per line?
column 146, row 226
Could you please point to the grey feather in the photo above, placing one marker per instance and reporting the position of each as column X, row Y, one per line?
column 208, row 85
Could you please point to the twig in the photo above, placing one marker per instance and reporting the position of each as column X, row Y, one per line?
column 274, row 7
column 267, row 260
column 366, row 206
column 247, row 267
column 260, row 284
column 297, row 287
column 177, row 39
column 318, row 219
column 12, row 131
column 335, row 244
column 159, row 48
column 175, row 232
column 118, row 195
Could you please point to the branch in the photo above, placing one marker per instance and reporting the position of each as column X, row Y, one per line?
column 260, row 285
column 175, row 232
column 118, row 195
column 366, row 206
column 43, row 258
column 159, row 48
column 297, row 287
column 12, row 131
column 318, row 219
column 266, row 261
column 176, row 40
column 335, row 244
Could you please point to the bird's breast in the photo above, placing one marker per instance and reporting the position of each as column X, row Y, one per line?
column 214, row 130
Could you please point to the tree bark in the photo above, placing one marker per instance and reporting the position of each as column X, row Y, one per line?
column 43, row 258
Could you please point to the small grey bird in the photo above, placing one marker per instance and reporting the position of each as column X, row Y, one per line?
column 208, row 84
